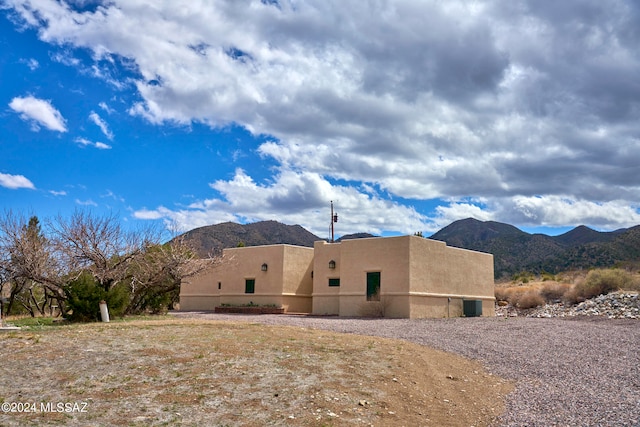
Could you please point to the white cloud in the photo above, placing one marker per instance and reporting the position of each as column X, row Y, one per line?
column 185, row 219
column 549, row 211
column 83, row 141
column 32, row 63
column 87, row 143
column 557, row 211
column 39, row 112
column 454, row 211
column 159, row 213
column 58, row 193
column 88, row 202
column 104, row 127
column 423, row 100
column 111, row 195
column 65, row 58
column 293, row 198
column 15, row 181
column 106, row 108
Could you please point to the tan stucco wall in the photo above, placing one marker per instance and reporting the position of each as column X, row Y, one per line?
column 442, row 276
column 418, row 278
column 200, row 292
column 297, row 283
column 198, row 302
column 287, row 281
column 390, row 257
column 354, row 258
column 326, row 299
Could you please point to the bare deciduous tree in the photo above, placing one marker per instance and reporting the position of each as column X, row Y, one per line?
column 156, row 276
column 98, row 245
column 38, row 269
column 26, row 259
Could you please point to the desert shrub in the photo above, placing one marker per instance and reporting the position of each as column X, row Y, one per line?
column 84, row 295
column 501, row 294
column 515, row 293
column 634, row 285
column 513, row 296
column 599, row 282
column 117, row 299
column 530, row 299
column 547, row 276
column 572, row 297
column 158, row 300
column 509, row 295
column 530, row 296
column 523, row 277
column 83, row 298
column 554, row 291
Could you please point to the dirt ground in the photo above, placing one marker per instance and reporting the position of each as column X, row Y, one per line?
column 196, row 372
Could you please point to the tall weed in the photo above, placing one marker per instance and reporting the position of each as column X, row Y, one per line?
column 554, row 291
column 530, row 299
column 599, row 282
column 520, row 296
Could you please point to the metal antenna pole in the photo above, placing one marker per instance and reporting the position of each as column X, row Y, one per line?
column 334, row 218
column 332, row 221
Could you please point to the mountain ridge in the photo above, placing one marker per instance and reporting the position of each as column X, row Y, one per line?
column 514, row 250
column 211, row 239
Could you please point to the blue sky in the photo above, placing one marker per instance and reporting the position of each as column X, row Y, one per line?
column 408, row 114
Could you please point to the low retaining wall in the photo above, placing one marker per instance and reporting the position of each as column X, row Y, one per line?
column 249, row 310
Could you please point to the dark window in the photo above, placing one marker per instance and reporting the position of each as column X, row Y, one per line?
column 334, row 282
column 373, row 286
column 219, row 285
column 249, row 286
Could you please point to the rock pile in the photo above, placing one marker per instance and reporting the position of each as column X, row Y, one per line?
column 616, row 305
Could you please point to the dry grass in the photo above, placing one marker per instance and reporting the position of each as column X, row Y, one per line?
column 188, row 372
column 532, row 294
column 530, row 299
column 570, row 287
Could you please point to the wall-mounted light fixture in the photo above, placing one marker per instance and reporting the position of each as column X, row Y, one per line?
column 265, row 267
column 332, row 264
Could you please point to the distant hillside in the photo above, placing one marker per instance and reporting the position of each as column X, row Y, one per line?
column 471, row 233
column 515, row 251
column 355, row 236
column 583, row 235
column 619, row 247
column 211, row 239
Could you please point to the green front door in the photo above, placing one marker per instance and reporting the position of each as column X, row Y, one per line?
column 373, row 286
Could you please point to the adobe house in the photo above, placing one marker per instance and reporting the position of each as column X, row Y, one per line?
column 404, row 277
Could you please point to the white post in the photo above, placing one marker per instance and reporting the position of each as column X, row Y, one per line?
column 3, row 301
column 104, row 312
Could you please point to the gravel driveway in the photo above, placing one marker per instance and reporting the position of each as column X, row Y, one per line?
column 579, row 372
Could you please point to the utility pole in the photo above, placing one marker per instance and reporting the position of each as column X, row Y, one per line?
column 334, row 219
